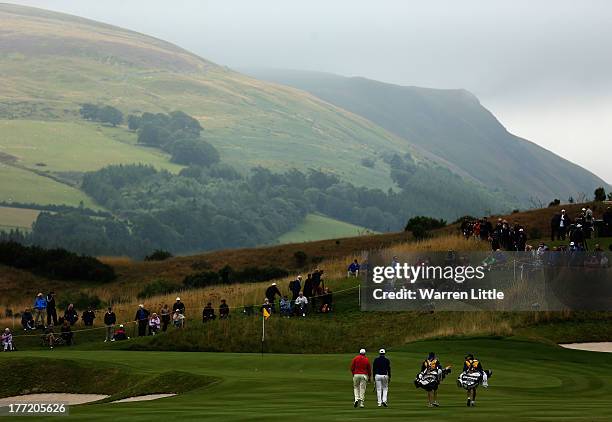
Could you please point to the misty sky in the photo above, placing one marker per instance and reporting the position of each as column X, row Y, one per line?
column 544, row 67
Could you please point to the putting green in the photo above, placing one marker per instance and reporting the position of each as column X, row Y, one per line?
column 532, row 381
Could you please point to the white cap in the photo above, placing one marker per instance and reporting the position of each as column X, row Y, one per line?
column 521, row 230
column 584, row 209
column 141, row 306
column 362, row 351
column 274, row 284
column 578, row 225
column 572, row 243
column 382, row 351
column 178, row 298
column 562, row 210
column 120, row 325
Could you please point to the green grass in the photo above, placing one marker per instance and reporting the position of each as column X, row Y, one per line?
column 75, row 146
column 531, row 381
column 320, row 227
column 21, row 218
column 18, row 185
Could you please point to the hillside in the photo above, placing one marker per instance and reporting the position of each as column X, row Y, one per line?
column 453, row 125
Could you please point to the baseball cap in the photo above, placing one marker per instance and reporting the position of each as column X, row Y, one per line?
column 382, row 351
column 178, row 298
column 362, row 351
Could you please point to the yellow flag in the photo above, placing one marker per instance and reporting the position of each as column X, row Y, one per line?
column 266, row 314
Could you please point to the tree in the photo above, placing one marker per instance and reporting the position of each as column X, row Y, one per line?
column 153, row 135
column 111, row 115
column 600, row 194
column 89, row 111
column 190, row 152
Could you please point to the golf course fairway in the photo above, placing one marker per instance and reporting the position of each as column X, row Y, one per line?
column 532, row 381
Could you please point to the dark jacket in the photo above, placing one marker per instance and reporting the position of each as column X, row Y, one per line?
column 141, row 315
column 271, row 293
column 110, row 318
column 88, row 317
column 180, row 306
column 382, row 366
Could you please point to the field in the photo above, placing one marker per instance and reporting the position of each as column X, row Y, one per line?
column 74, row 146
column 17, row 218
column 531, row 381
column 320, row 227
column 18, row 185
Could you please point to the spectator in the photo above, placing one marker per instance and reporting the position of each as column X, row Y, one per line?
column 88, row 317
column 577, row 236
column 49, row 336
column 521, row 240
column 308, row 287
column 51, row 310
column 179, row 306
column 285, row 306
column 486, row 228
column 165, row 317
column 40, row 309
column 301, row 304
column 555, row 223
column 224, row 310
column 208, row 313
column 271, row 293
column 7, row 340
column 71, row 314
column 607, row 220
column 564, row 223
column 142, row 317
column 326, row 299
column 178, row 319
column 66, row 332
column 27, row 320
column 295, row 286
column 266, row 305
column 110, row 319
column 353, row 269
column 154, row 324
column 120, row 334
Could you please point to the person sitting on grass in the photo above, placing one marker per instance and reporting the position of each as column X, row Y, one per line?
column 353, row 269
column 66, row 333
column 208, row 313
column 301, row 304
column 71, row 314
column 27, row 320
column 88, row 317
column 285, row 306
column 178, row 319
column 224, row 310
column 49, row 336
column 120, row 334
column 7, row 340
column 154, row 324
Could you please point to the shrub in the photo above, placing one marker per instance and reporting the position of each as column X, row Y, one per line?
column 368, row 162
column 80, row 300
column 158, row 287
column 55, row 263
column 255, row 274
column 203, row 279
column 158, row 255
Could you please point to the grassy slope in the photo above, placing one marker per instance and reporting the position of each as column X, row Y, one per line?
column 20, row 185
column 251, row 122
column 320, row 227
column 531, row 381
column 454, row 125
column 75, row 146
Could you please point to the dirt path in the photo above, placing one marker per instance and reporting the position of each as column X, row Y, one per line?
column 53, row 398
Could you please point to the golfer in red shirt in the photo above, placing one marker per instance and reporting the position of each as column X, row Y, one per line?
column 362, row 372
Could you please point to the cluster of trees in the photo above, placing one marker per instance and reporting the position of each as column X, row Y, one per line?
column 420, row 226
column 215, row 207
column 227, row 275
column 101, row 113
column 176, row 133
column 54, row 263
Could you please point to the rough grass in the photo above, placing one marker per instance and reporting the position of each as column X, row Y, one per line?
column 320, row 227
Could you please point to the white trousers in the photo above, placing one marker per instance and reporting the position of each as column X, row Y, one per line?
column 382, row 387
column 359, row 386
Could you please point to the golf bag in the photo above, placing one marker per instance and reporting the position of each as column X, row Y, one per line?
column 430, row 380
column 471, row 380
